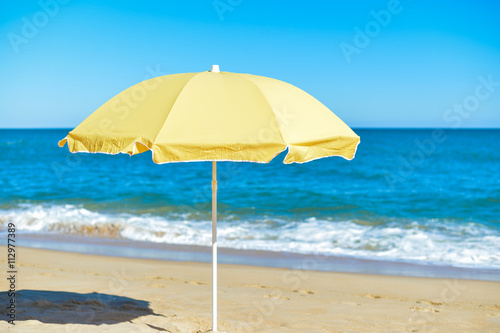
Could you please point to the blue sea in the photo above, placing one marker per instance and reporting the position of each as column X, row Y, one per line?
column 416, row 196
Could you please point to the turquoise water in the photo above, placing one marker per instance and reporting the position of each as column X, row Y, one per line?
column 409, row 195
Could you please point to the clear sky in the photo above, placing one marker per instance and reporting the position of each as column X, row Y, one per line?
column 417, row 63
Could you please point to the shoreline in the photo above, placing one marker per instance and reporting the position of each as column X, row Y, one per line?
column 61, row 291
column 171, row 252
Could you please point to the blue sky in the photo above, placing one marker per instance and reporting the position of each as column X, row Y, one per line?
column 421, row 64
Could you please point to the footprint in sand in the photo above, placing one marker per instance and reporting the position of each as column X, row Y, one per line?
column 195, row 282
column 277, row 297
column 428, row 302
column 162, row 278
column 257, row 286
column 418, row 308
column 303, row 291
column 493, row 307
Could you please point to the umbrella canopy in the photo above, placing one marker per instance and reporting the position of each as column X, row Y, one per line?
column 214, row 116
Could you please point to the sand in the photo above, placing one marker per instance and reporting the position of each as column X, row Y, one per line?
column 70, row 292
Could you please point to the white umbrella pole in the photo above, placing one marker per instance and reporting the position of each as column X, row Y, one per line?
column 214, row 246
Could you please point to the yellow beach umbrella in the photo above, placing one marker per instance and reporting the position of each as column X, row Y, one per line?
column 214, row 116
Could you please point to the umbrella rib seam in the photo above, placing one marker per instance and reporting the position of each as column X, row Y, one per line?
column 171, row 108
column 270, row 107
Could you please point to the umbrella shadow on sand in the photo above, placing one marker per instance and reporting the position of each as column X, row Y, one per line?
column 61, row 307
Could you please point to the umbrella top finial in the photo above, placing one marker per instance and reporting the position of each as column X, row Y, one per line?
column 215, row 69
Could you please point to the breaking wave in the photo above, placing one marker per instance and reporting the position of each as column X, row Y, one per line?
column 465, row 244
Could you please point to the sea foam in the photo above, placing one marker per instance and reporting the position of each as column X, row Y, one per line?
column 431, row 241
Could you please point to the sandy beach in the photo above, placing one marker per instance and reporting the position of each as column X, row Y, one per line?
column 70, row 292
column 250, row 166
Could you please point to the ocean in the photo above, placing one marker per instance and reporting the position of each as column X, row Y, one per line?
column 428, row 197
